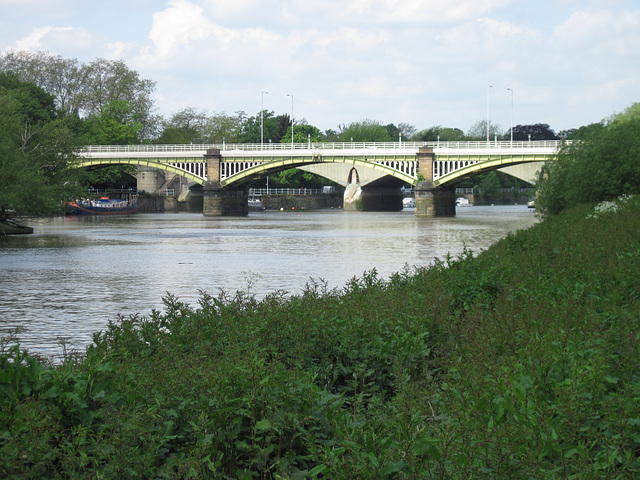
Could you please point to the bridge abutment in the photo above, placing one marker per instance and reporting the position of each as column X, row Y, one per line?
column 218, row 201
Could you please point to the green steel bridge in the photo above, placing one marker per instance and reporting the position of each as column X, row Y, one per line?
column 232, row 167
column 242, row 163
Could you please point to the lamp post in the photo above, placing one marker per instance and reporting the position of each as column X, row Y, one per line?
column 488, row 121
column 262, row 120
column 291, row 95
column 511, row 90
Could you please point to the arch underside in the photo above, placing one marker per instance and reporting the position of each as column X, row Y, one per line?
column 105, row 162
column 483, row 166
column 260, row 171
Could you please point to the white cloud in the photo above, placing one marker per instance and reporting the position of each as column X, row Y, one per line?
column 35, row 39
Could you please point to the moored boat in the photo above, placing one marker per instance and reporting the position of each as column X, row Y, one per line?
column 103, row 206
column 408, row 202
column 463, row 202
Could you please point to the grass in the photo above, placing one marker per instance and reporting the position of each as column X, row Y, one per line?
column 518, row 362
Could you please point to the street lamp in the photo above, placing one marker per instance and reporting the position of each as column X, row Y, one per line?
column 291, row 95
column 511, row 90
column 262, row 120
column 488, row 121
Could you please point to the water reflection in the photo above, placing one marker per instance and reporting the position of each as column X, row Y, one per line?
column 76, row 273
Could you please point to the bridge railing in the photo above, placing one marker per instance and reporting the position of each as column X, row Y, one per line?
column 257, row 192
column 316, row 146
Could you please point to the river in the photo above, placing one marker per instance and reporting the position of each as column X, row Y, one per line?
column 74, row 274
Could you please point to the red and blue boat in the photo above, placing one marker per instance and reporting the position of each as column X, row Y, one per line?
column 104, row 206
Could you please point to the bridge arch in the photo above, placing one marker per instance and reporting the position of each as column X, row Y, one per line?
column 262, row 170
column 472, row 170
column 106, row 162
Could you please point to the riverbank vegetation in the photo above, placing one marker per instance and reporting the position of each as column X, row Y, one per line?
column 522, row 361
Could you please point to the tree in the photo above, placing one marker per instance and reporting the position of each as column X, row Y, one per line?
column 85, row 89
column 302, row 134
column 490, row 185
column 443, row 134
column 539, row 131
column 365, row 131
column 603, row 166
column 222, row 127
column 585, row 131
column 36, row 148
column 629, row 113
column 62, row 78
column 478, row 131
column 116, row 124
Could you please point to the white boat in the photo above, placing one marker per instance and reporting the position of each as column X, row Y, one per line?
column 463, row 202
column 408, row 202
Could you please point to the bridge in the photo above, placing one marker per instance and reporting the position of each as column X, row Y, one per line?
column 372, row 173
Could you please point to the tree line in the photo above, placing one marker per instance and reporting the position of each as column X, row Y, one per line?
column 113, row 105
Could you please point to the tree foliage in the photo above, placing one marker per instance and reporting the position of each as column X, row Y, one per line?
column 86, row 90
column 443, row 134
column 603, row 166
column 365, row 131
column 538, row 131
column 478, row 131
column 35, row 150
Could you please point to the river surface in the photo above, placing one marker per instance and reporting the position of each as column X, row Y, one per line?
column 74, row 274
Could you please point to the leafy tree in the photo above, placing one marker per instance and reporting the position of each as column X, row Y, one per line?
column 582, row 132
column 478, row 131
column 603, row 166
column 490, row 185
column 62, row 78
column 629, row 113
column 408, row 131
column 331, row 135
column 116, row 124
column 539, row 131
column 275, row 128
column 36, row 178
column 185, row 126
column 302, row 134
column 85, row 89
column 222, row 127
column 444, row 134
column 365, row 131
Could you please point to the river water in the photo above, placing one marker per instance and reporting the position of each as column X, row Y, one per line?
column 74, row 274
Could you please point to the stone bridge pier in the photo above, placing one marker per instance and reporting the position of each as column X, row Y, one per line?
column 431, row 201
column 218, row 201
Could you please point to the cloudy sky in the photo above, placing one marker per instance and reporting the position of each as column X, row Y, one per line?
column 423, row 62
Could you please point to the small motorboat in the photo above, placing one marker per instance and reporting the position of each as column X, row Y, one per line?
column 103, row 206
column 463, row 202
column 408, row 202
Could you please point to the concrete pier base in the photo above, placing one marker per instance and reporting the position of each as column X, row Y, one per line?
column 217, row 202
column 432, row 202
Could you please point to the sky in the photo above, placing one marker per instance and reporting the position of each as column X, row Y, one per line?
column 448, row 63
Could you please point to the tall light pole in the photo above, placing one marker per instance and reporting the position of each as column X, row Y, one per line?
column 262, row 120
column 488, row 116
column 511, row 90
column 291, row 95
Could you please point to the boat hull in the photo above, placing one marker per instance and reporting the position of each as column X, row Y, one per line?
column 79, row 209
